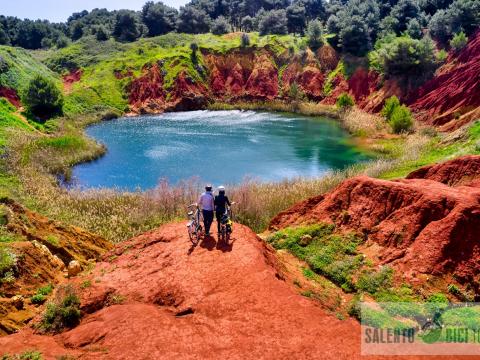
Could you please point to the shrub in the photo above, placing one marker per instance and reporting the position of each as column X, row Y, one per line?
column 27, row 355
column 8, row 262
column 221, row 26
column 245, row 40
column 295, row 93
column 43, row 98
column 441, row 56
column 401, row 119
column 62, row 313
column 38, row 299
column 390, row 104
column 345, row 101
column 459, row 41
column 371, row 282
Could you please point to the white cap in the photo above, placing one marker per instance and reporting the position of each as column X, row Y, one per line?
column 221, row 188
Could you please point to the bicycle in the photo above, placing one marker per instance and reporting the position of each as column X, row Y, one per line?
column 194, row 226
column 226, row 224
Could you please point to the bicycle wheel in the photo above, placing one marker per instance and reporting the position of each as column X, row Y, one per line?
column 199, row 233
column 191, row 233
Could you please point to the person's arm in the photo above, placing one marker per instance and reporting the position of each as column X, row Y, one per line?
column 213, row 203
column 228, row 201
column 200, row 201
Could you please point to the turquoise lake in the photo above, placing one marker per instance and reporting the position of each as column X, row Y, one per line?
column 220, row 147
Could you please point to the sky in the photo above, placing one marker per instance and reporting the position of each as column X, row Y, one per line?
column 60, row 10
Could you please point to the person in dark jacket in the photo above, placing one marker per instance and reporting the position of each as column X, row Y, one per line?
column 221, row 202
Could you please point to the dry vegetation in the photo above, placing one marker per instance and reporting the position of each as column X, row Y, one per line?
column 118, row 215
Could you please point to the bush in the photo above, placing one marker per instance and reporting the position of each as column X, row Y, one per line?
column 401, row 119
column 64, row 312
column 8, row 262
column 459, row 41
column 221, row 26
column 42, row 97
column 390, row 104
column 371, row 282
column 245, row 40
column 345, row 101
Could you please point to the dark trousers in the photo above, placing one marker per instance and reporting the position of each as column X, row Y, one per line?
column 219, row 216
column 207, row 220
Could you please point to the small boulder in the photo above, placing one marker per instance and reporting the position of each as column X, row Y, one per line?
column 74, row 268
column 305, row 240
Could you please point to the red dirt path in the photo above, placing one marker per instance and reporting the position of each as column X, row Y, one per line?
column 236, row 306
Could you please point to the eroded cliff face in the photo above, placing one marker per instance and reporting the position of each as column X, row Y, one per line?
column 42, row 251
column 260, row 74
column 425, row 225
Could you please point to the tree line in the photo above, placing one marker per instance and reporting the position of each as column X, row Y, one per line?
column 354, row 25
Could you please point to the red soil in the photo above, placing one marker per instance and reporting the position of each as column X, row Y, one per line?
column 147, row 91
column 71, row 78
column 214, row 301
column 422, row 226
column 11, row 95
column 464, row 170
column 362, row 83
column 447, row 99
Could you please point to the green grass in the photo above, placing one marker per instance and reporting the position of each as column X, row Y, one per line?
column 333, row 256
column 436, row 151
column 27, row 355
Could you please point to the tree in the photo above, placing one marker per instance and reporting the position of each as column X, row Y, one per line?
column 273, row 22
column 459, row 41
column 414, row 30
column 248, row 24
column 102, row 33
column 159, row 18
column 42, row 97
column 401, row 119
column 390, row 104
column 464, row 15
column 62, row 42
column 439, row 26
column 404, row 11
column 345, row 101
column 193, row 21
column 354, row 36
column 333, row 28
column 314, row 34
column 404, row 56
column 77, row 30
column 221, row 26
column 245, row 40
column 315, row 9
column 296, row 16
column 4, row 38
column 127, row 27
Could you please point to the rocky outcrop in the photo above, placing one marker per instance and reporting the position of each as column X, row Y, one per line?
column 464, row 170
column 43, row 249
column 146, row 92
column 156, row 296
column 420, row 225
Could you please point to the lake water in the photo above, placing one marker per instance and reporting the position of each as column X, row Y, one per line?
column 220, row 147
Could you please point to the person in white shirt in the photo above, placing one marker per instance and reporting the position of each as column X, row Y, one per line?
column 206, row 203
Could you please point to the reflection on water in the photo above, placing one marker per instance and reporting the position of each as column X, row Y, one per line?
column 222, row 147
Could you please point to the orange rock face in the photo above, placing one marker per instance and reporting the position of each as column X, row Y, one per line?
column 157, row 297
column 422, row 224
